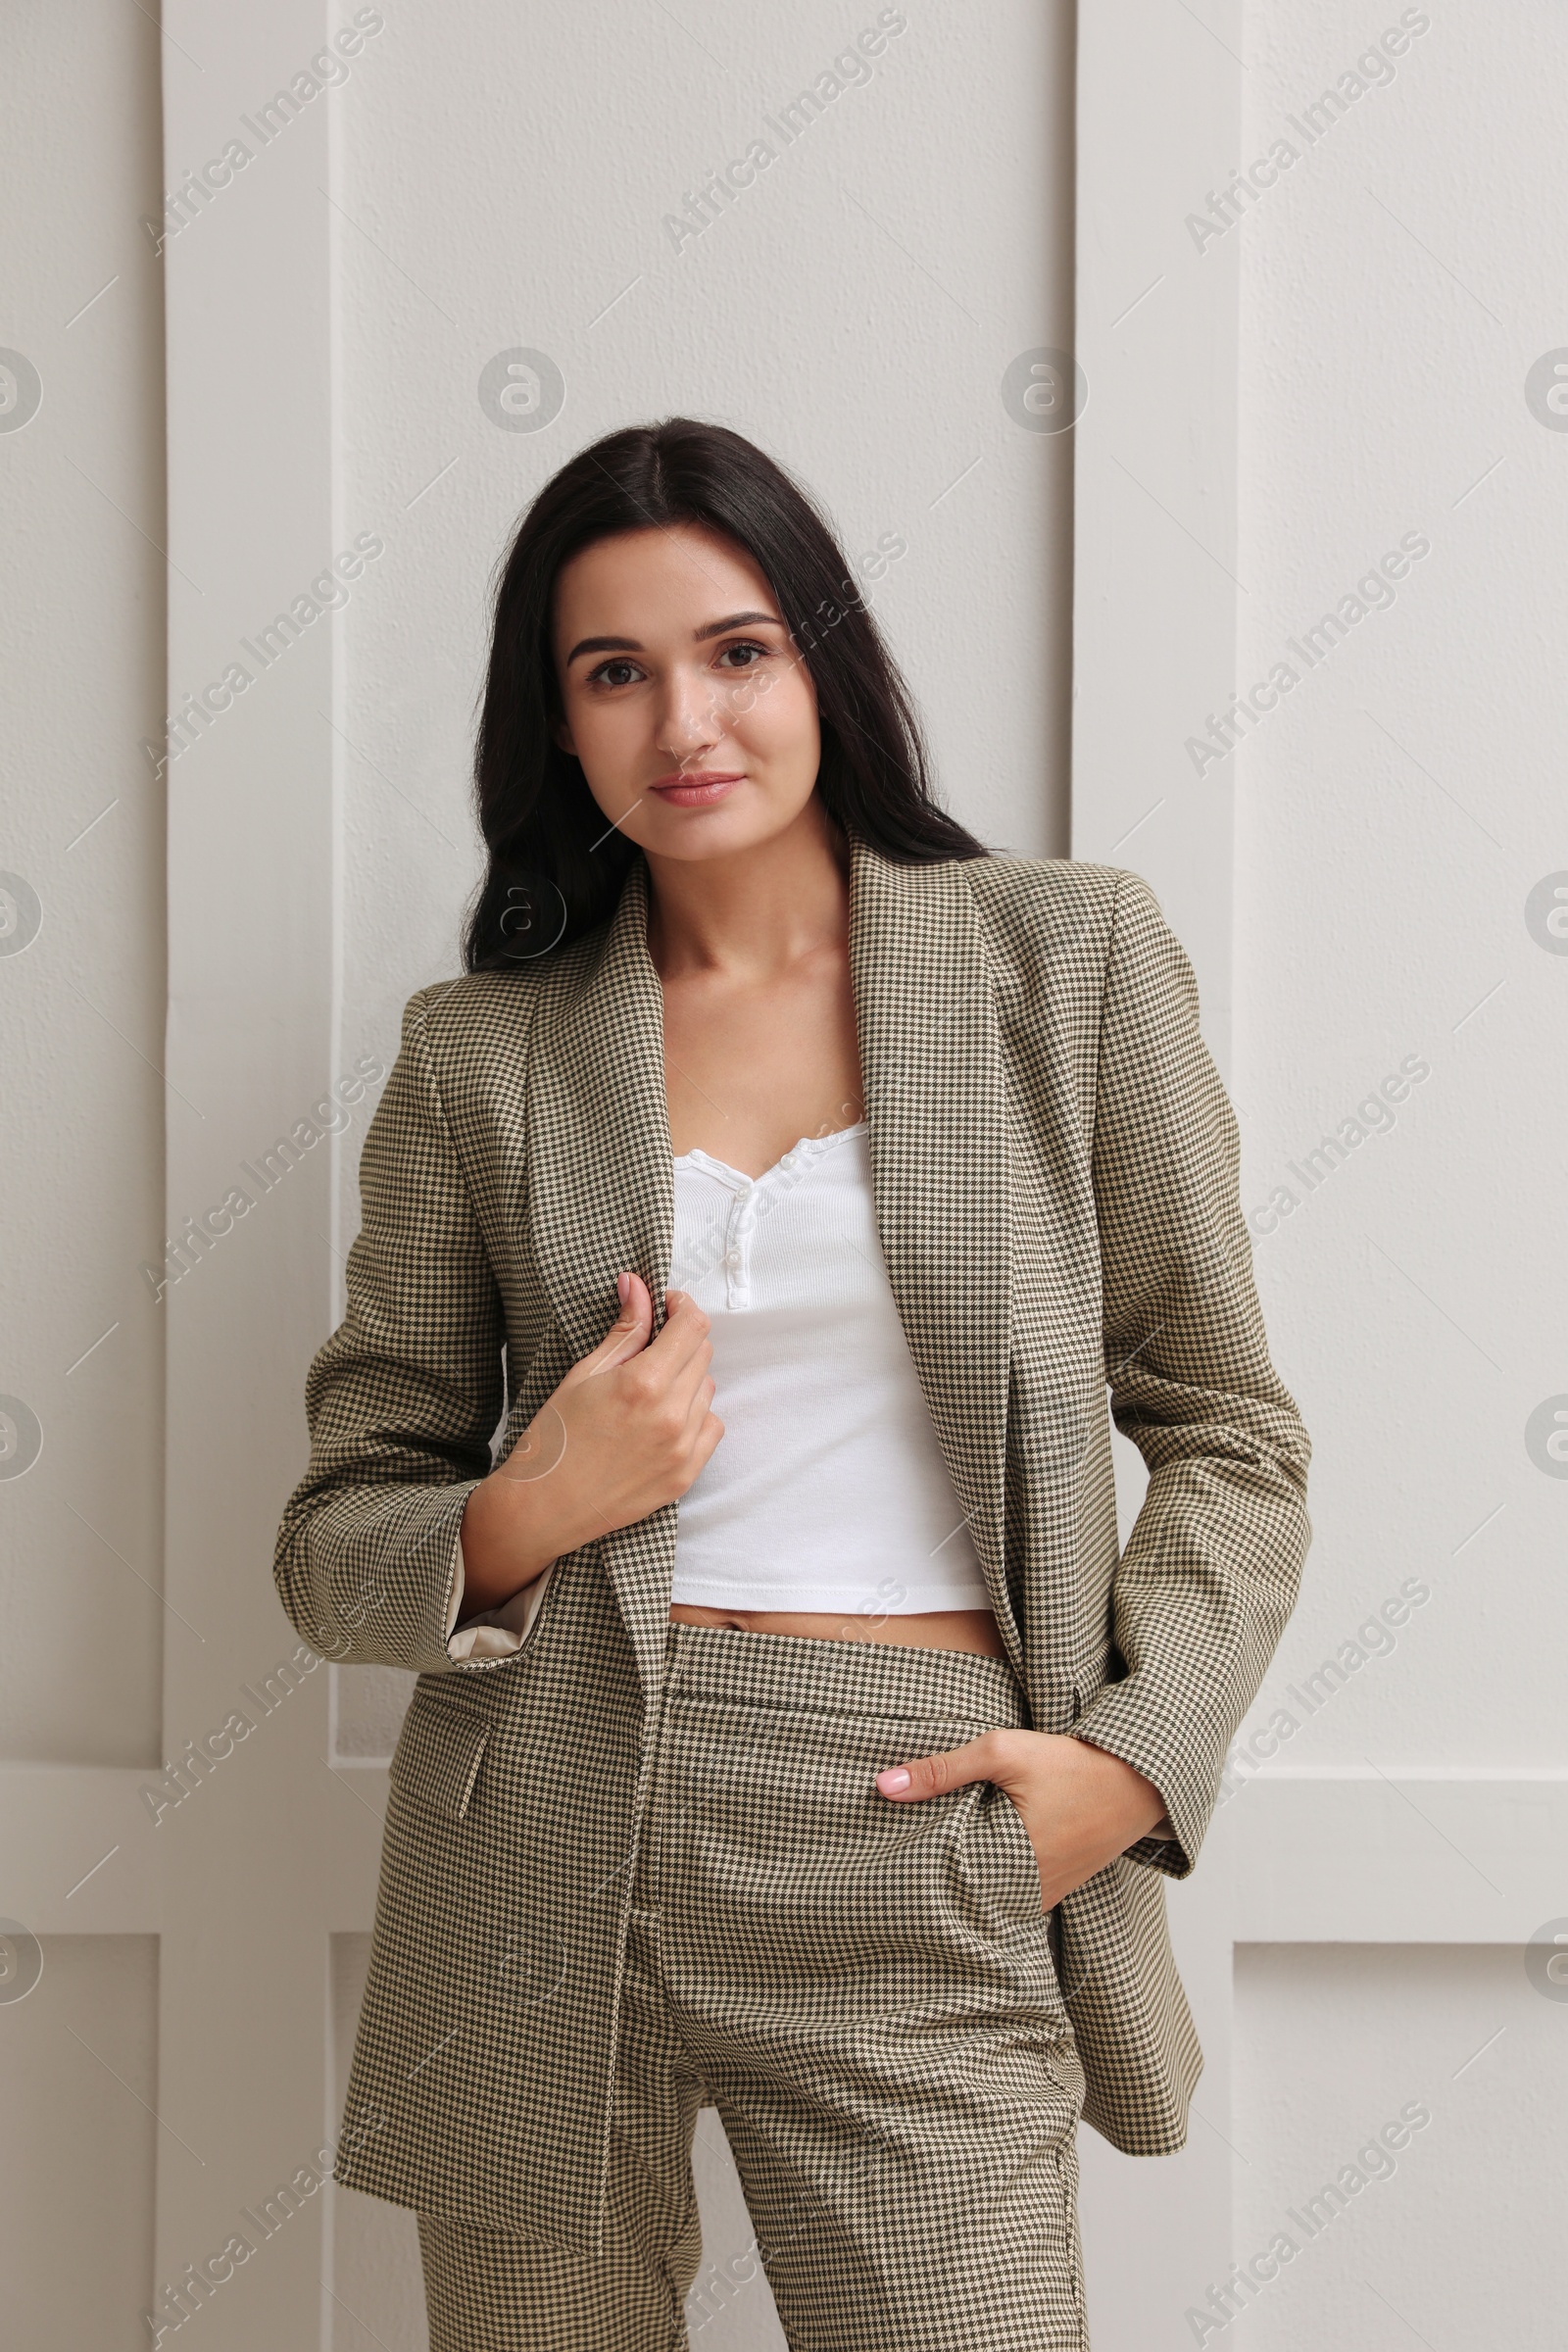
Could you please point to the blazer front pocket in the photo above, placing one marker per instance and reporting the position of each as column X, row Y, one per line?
column 437, row 1758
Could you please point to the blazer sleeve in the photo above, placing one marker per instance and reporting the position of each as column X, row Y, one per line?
column 1211, row 1568
column 401, row 1401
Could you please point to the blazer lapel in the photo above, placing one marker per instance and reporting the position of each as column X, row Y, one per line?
column 936, row 1123
column 601, row 1196
column 600, row 1187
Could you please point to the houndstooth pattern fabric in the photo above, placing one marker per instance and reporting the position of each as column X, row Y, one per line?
column 1054, row 1166
column 867, row 1996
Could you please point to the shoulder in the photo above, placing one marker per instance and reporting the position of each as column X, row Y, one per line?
column 476, row 1009
column 1054, row 905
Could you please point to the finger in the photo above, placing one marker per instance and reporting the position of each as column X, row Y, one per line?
column 932, row 1776
column 687, row 1372
column 627, row 1336
column 686, row 1327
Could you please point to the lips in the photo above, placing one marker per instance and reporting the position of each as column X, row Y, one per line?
column 698, row 790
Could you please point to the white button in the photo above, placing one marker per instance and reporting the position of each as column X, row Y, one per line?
column 732, row 1258
column 788, row 1160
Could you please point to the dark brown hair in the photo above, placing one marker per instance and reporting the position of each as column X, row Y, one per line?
column 554, row 866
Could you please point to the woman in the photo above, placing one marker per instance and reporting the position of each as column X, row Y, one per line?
column 792, row 1735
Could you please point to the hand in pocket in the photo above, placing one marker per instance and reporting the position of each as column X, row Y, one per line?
column 1080, row 1805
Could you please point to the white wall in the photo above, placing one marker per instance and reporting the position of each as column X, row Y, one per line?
column 1274, row 400
column 83, row 994
column 1435, row 2073
column 78, row 2090
column 81, row 1022
column 1394, row 814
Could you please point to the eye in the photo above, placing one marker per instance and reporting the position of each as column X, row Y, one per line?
column 747, row 646
column 618, row 661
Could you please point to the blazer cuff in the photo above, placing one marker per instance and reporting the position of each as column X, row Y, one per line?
column 495, row 1633
column 1173, row 1850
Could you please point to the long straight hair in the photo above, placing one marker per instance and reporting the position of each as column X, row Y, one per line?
column 554, row 866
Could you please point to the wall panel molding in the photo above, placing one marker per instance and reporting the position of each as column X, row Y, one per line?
column 251, row 1860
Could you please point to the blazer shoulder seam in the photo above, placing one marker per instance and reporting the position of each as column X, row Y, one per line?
column 1086, row 881
column 427, row 1000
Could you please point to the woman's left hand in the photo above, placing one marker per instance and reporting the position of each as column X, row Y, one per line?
column 1080, row 1806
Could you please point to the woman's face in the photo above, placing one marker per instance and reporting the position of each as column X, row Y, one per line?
column 683, row 695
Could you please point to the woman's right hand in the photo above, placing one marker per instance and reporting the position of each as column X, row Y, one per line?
column 627, row 1430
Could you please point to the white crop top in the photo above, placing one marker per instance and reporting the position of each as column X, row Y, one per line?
column 829, row 1490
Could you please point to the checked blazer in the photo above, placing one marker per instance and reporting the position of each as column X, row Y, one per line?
column 1055, row 1171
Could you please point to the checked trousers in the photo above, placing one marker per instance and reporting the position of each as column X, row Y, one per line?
column 867, row 1995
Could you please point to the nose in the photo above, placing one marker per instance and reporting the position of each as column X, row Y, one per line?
column 688, row 719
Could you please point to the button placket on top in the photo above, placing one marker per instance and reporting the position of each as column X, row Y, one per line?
column 750, row 1197
column 742, row 1224
column 760, row 1197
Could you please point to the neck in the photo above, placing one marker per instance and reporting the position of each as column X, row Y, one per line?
column 757, row 910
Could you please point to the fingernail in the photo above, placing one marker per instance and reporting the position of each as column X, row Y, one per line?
column 623, row 1286
column 894, row 1781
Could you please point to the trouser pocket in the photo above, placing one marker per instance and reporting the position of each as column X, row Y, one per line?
column 784, row 1869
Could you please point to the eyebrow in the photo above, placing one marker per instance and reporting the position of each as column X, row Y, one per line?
column 714, row 628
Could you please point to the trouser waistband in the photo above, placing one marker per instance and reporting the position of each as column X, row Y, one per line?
column 842, row 1677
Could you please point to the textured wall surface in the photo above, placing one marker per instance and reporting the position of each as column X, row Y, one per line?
column 1400, row 994
column 1395, row 2122
column 82, row 892
column 1401, row 998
